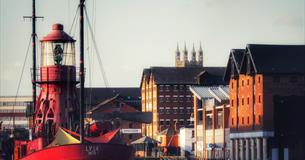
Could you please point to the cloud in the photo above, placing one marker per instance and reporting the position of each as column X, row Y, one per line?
column 289, row 21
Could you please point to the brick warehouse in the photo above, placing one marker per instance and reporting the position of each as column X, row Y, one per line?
column 263, row 86
column 165, row 90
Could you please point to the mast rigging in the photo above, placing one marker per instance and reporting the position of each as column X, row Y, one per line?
column 34, row 17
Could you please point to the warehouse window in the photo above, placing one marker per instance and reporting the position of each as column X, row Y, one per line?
column 193, row 146
column 161, row 122
column 161, row 88
column 200, row 117
column 130, row 125
column 209, row 120
column 175, row 88
column 167, row 122
column 219, row 120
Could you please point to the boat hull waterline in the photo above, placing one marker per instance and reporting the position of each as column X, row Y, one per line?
column 87, row 151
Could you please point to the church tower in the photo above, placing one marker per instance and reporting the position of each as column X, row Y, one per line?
column 181, row 58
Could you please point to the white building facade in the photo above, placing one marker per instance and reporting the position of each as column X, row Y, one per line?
column 186, row 140
column 211, row 113
column 13, row 112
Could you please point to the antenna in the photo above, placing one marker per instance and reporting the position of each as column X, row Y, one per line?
column 33, row 18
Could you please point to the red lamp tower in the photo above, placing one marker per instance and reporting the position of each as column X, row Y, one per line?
column 57, row 104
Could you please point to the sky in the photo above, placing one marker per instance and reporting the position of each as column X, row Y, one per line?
column 135, row 34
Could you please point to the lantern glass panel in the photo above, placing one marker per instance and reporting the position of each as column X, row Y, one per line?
column 58, row 53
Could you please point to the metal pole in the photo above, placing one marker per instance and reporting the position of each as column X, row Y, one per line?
column 82, row 76
column 34, row 52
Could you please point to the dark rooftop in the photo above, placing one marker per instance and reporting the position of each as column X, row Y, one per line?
column 235, row 59
column 181, row 75
column 274, row 59
column 130, row 95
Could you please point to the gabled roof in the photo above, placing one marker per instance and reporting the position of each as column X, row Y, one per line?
column 220, row 93
column 170, row 131
column 130, row 95
column 181, row 75
column 275, row 59
column 212, row 76
column 103, row 105
column 235, row 59
column 175, row 75
column 144, row 139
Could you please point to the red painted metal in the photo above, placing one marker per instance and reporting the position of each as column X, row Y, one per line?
column 57, row 103
column 97, row 128
column 27, row 146
column 57, row 34
column 57, row 74
column 95, row 151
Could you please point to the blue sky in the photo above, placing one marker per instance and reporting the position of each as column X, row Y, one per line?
column 135, row 34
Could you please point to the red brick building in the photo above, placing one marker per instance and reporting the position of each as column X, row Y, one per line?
column 264, row 73
column 117, row 104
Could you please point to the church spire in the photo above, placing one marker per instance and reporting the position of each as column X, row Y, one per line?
column 177, row 56
column 177, row 49
column 185, row 54
column 193, row 60
column 200, row 56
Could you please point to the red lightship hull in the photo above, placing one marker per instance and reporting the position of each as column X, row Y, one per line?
column 95, row 151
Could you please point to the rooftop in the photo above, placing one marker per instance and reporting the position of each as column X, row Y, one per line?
column 275, row 59
column 220, row 93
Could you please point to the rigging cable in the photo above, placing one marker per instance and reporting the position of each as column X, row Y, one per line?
column 90, row 66
column 18, row 87
column 90, row 58
column 97, row 51
column 73, row 22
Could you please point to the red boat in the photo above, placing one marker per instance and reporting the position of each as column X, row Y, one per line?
column 58, row 118
column 57, row 107
column 99, row 151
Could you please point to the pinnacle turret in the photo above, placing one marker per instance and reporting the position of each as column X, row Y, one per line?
column 200, row 56
column 193, row 60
